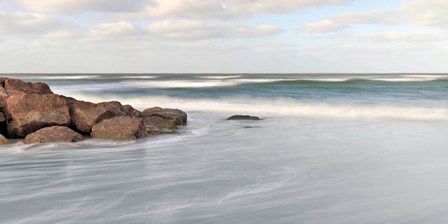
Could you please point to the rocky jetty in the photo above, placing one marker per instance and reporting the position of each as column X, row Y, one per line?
column 33, row 112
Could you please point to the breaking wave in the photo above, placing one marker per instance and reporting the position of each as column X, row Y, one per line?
column 209, row 83
column 289, row 108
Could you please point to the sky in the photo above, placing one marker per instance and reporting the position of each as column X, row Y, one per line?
column 223, row 36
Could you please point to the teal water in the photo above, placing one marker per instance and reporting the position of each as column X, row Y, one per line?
column 402, row 89
column 332, row 149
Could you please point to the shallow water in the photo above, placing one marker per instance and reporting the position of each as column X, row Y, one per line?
column 374, row 166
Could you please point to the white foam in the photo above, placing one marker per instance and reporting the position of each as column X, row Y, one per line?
column 72, row 77
column 139, row 77
column 178, row 84
column 197, row 83
column 406, row 79
column 221, row 77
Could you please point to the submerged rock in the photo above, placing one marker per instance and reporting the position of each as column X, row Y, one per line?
column 27, row 113
column 243, row 117
column 85, row 114
column 157, row 126
column 120, row 128
column 53, row 134
column 179, row 117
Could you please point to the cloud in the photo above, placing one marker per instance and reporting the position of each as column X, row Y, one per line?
column 281, row 6
column 427, row 12
column 200, row 30
column 176, row 8
column 404, row 36
column 73, row 6
column 111, row 30
column 344, row 21
column 59, row 34
column 170, row 30
column 224, row 9
column 21, row 23
column 432, row 13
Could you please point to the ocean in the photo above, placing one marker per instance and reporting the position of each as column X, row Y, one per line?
column 330, row 149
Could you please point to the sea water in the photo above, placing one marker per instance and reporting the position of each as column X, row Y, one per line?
column 331, row 149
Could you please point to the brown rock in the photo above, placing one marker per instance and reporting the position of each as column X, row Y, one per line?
column 157, row 126
column 28, row 113
column 2, row 117
column 3, row 97
column 85, row 114
column 53, row 134
column 179, row 117
column 2, row 81
column 120, row 128
column 2, row 124
column 3, row 140
column 16, row 86
column 131, row 112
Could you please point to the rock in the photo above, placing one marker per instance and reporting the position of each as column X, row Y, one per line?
column 53, row 134
column 3, row 96
column 3, row 80
column 3, row 140
column 85, row 114
column 27, row 113
column 179, row 117
column 120, row 128
column 249, row 127
column 3, row 130
column 157, row 126
column 16, row 86
column 131, row 112
column 243, row 117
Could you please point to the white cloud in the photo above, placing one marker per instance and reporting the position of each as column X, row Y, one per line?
column 199, row 30
column 21, row 23
column 224, row 9
column 344, row 21
column 176, row 8
column 111, row 30
column 59, row 34
column 404, row 36
column 416, row 12
column 63, row 6
column 280, row 6
column 427, row 12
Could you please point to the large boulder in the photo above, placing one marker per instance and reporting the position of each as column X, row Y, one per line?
column 16, row 86
column 53, row 134
column 85, row 114
column 3, row 140
column 27, row 113
column 120, row 128
column 157, row 126
column 179, row 117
